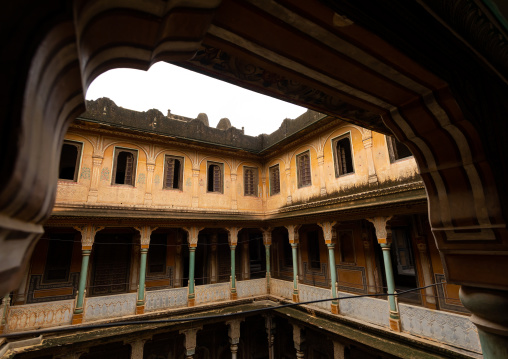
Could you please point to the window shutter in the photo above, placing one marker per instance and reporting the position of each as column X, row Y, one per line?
column 304, row 170
column 170, row 172
column 217, row 179
column 129, row 164
column 248, row 180
column 275, row 179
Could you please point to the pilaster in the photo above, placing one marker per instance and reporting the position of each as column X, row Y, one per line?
column 94, row 184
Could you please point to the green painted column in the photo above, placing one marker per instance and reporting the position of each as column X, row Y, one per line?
column 390, row 282
column 267, row 252
column 333, row 272
column 142, row 276
column 233, row 275
column 192, row 260
column 82, row 281
column 294, row 247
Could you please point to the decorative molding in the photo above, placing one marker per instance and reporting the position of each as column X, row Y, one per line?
column 41, row 315
column 88, row 233
column 110, row 306
column 166, row 298
column 350, row 288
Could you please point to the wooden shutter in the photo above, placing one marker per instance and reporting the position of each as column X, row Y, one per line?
column 249, row 181
column 129, row 169
column 304, row 170
column 217, row 179
column 275, row 180
column 170, row 172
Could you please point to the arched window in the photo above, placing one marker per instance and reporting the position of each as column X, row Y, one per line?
column 250, row 181
column 124, row 169
column 69, row 161
column 343, row 156
column 303, row 169
column 215, row 177
column 173, row 172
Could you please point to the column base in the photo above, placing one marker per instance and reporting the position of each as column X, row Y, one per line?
column 191, row 302
column 77, row 318
column 234, row 295
column 335, row 308
column 395, row 321
column 140, row 308
column 296, row 297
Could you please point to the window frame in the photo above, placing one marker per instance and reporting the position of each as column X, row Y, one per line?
column 182, row 165
column 335, row 155
column 270, row 182
column 116, row 153
column 77, row 169
column 221, row 165
column 298, row 175
column 339, row 243
column 391, row 144
column 255, row 180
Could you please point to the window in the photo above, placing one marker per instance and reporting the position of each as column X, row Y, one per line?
column 69, row 161
column 313, row 249
column 215, row 177
column 343, row 156
column 157, row 254
column 397, row 150
column 250, row 181
column 173, row 172
column 274, row 180
column 124, row 168
column 58, row 260
column 347, row 247
column 303, row 169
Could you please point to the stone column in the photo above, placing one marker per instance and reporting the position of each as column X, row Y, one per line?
column 190, row 341
column 298, row 340
column 178, row 260
column 384, row 238
column 288, row 186
column 338, row 350
column 234, row 336
column 150, row 167
column 293, row 240
column 427, row 274
column 367, row 144
column 490, row 315
column 87, row 239
column 270, row 332
column 371, row 287
column 214, row 262
column 94, row 184
column 192, row 238
column 145, row 232
column 233, row 240
column 4, row 312
column 321, row 166
column 234, row 194
column 195, row 187
column 245, row 257
column 137, row 347
column 328, row 234
column 267, row 241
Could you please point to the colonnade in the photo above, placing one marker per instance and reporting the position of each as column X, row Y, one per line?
column 383, row 235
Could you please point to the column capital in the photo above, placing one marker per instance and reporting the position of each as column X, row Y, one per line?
column 298, row 338
column 145, row 233
column 233, row 235
column 293, row 233
column 328, row 231
column 267, row 236
column 192, row 237
column 88, row 232
column 234, row 330
column 190, row 340
column 383, row 232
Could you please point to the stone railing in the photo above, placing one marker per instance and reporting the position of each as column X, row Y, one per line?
column 281, row 288
column 111, row 306
column 213, row 293
column 251, row 288
column 39, row 315
column 449, row 328
column 443, row 327
column 166, row 298
column 371, row 310
column 309, row 293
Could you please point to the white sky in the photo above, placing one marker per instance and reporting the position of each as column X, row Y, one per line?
column 188, row 93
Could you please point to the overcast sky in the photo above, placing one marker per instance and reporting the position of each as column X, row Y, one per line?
column 187, row 93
